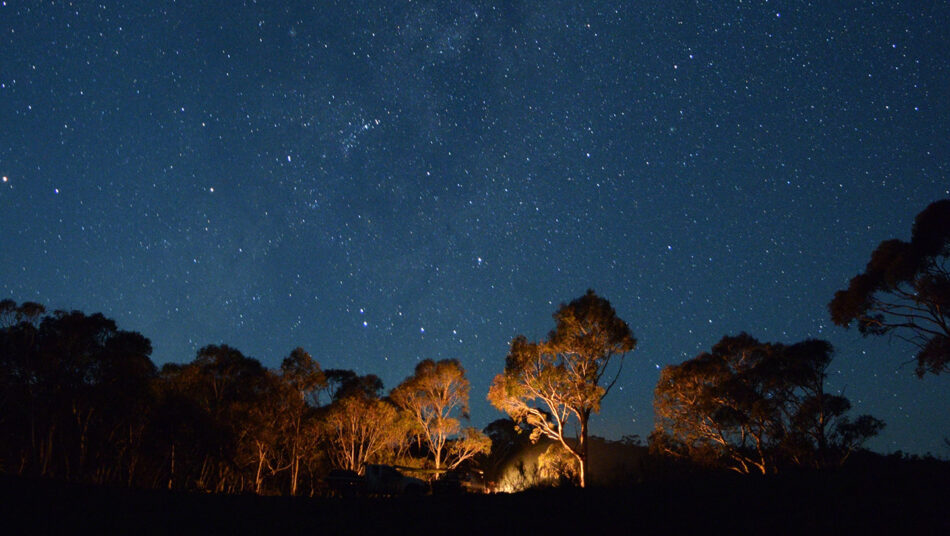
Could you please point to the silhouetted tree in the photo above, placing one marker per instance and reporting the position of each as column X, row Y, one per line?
column 21, row 421
column 749, row 405
column 12, row 314
column 820, row 434
column 434, row 396
column 342, row 383
column 548, row 384
column 123, row 401
column 905, row 290
column 182, row 436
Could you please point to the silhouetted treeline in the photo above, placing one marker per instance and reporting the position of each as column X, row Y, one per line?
column 81, row 400
column 73, row 393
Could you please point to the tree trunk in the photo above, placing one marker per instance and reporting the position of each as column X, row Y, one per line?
column 582, row 449
column 295, row 470
column 258, row 478
column 46, row 452
column 171, row 471
column 822, row 439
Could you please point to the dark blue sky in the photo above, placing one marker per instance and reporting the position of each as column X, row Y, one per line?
column 382, row 182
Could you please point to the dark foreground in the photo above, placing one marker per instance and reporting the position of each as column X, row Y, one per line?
column 910, row 500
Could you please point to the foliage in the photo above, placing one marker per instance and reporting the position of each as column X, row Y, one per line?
column 81, row 400
column 905, row 290
column 507, row 439
column 303, row 374
column 238, row 398
column 469, row 443
column 751, row 406
column 73, row 389
column 549, row 384
column 343, row 383
column 357, row 429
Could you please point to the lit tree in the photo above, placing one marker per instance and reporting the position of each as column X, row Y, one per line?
column 905, row 290
column 549, row 384
column 715, row 408
column 433, row 396
column 233, row 391
column 749, row 405
column 358, row 428
column 266, row 428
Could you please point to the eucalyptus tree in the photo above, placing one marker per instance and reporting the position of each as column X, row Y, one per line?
column 435, row 396
column 549, row 385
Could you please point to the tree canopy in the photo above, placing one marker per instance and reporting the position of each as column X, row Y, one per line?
column 435, row 396
column 357, row 428
column 905, row 290
column 753, row 406
column 72, row 391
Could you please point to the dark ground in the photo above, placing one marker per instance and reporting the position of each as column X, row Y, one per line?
column 901, row 497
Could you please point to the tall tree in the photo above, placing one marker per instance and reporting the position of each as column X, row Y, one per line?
column 549, row 384
column 233, row 391
column 342, row 383
column 905, row 290
column 715, row 407
column 435, row 396
column 225, row 423
column 19, row 426
column 303, row 376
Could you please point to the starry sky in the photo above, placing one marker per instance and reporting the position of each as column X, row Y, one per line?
column 385, row 181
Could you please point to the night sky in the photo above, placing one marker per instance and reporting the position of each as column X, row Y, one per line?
column 381, row 182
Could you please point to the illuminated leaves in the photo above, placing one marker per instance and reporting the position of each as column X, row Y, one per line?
column 751, row 406
column 717, row 406
column 356, row 428
column 434, row 396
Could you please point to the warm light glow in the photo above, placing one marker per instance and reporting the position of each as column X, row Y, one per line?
column 518, row 475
